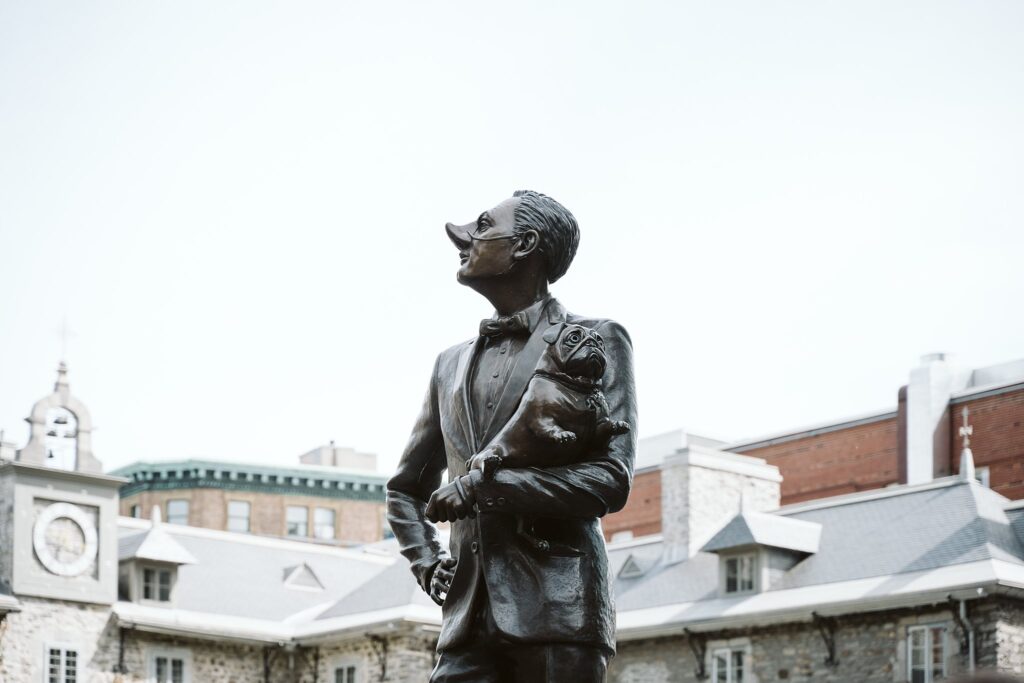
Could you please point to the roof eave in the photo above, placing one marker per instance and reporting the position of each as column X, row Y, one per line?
column 833, row 609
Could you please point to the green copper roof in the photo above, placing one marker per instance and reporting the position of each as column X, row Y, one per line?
column 307, row 480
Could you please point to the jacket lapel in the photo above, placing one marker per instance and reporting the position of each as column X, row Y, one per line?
column 460, row 397
column 526, row 363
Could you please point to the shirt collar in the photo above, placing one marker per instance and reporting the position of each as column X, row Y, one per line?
column 534, row 312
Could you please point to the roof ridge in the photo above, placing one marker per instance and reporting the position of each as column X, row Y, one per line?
column 252, row 539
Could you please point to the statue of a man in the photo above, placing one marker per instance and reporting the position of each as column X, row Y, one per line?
column 513, row 611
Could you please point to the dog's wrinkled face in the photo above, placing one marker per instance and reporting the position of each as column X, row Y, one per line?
column 578, row 351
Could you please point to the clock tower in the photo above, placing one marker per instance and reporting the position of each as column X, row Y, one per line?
column 58, row 511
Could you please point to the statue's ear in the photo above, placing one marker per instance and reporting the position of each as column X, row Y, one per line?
column 551, row 335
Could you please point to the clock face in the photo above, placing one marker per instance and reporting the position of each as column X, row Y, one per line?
column 65, row 539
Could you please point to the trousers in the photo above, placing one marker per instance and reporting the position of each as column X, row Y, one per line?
column 492, row 658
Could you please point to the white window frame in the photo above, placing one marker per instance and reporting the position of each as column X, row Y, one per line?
column 317, row 525
column 64, row 649
column 188, row 509
column 929, row 674
column 248, row 516
column 755, row 573
column 287, row 522
column 735, row 645
column 173, row 574
column 184, row 654
column 344, row 663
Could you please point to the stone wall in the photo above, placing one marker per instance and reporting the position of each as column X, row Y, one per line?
column 93, row 632
column 701, row 490
column 6, row 533
column 356, row 521
column 870, row 648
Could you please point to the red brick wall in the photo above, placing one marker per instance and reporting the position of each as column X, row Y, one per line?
column 642, row 513
column 997, row 442
column 844, row 461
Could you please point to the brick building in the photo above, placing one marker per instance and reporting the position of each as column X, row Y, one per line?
column 911, row 442
column 323, row 503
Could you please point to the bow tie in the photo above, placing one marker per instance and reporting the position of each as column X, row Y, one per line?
column 512, row 324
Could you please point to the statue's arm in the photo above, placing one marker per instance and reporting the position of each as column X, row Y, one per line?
column 582, row 490
column 418, row 475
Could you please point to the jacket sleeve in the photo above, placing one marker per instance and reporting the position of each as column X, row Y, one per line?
column 419, row 474
column 586, row 489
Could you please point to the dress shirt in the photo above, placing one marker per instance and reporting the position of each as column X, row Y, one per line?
column 494, row 364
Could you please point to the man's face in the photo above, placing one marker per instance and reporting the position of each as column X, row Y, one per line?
column 486, row 246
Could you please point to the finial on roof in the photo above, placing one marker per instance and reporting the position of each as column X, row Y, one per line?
column 62, row 377
column 155, row 515
column 966, row 456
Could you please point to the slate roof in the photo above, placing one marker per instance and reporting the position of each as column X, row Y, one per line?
column 862, row 536
column 154, row 544
column 895, row 541
column 750, row 528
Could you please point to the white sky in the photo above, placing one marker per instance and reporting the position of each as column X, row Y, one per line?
column 239, row 206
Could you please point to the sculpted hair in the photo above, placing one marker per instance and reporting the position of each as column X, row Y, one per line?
column 559, row 233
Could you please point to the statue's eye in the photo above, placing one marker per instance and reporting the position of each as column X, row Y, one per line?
column 574, row 337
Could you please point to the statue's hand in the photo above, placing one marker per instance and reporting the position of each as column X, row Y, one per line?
column 449, row 503
column 441, row 581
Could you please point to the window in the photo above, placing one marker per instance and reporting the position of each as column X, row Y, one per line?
column 156, row 584
column 728, row 666
column 61, row 664
column 170, row 666
column 926, row 648
column 177, row 512
column 135, row 511
column 740, row 572
column 297, row 521
column 345, row 674
column 238, row 515
column 323, row 524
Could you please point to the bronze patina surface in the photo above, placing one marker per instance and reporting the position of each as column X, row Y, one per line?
column 534, row 420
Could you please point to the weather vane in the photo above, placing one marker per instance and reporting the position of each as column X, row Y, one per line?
column 966, row 429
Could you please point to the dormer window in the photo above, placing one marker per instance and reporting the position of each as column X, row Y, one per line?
column 739, row 574
column 156, row 584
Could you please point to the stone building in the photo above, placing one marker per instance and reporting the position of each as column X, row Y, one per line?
column 912, row 442
column 914, row 582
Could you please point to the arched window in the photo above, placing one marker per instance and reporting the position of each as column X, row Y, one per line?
column 61, row 439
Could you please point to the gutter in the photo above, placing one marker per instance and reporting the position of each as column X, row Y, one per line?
column 806, row 613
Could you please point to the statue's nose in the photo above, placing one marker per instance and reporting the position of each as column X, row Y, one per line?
column 459, row 235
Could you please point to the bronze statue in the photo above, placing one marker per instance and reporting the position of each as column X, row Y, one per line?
column 542, row 405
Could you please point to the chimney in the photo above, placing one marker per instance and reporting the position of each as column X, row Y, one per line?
column 702, row 488
column 340, row 456
column 927, row 451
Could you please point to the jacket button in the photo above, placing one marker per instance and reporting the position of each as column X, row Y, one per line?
column 501, row 501
column 489, row 502
column 474, row 546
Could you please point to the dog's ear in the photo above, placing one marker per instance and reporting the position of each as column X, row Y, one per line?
column 551, row 335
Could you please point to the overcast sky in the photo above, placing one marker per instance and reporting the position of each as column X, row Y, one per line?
column 239, row 207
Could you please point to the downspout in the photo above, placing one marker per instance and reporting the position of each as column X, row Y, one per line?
column 970, row 636
column 959, row 609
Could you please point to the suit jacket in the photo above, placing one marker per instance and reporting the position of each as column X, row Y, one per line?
column 535, row 596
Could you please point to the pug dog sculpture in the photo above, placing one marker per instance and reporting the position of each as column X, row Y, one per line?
column 563, row 415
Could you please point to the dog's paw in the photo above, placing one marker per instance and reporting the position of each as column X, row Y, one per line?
column 564, row 437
